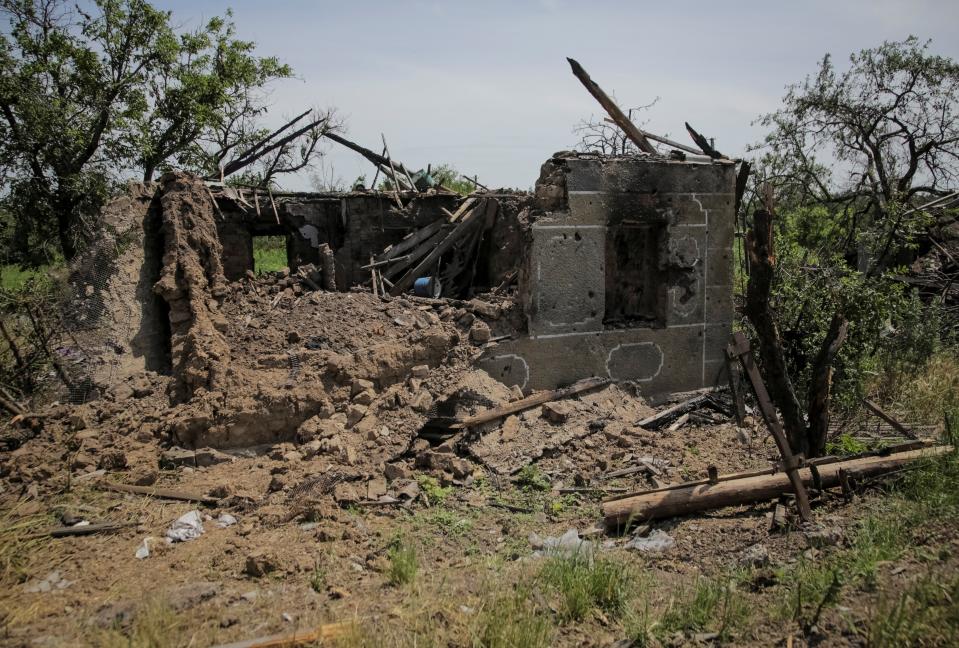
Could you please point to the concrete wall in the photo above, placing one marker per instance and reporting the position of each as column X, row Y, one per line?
column 677, row 291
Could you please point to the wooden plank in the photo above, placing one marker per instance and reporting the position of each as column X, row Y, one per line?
column 703, row 497
column 610, row 106
column 87, row 529
column 405, row 282
column 899, row 427
column 740, row 349
column 412, row 240
column 660, row 418
column 400, row 267
column 160, row 493
column 530, row 402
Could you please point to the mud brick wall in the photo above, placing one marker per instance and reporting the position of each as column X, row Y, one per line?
column 355, row 225
column 628, row 275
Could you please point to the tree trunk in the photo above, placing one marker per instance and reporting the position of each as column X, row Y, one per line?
column 820, row 384
column 759, row 245
column 703, row 497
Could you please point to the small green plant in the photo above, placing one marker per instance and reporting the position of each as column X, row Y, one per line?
column 434, row 493
column 583, row 582
column 318, row 578
column 531, row 478
column 845, row 444
column 451, row 523
column 403, row 563
column 512, row 621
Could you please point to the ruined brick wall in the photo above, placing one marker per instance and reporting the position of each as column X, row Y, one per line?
column 628, row 274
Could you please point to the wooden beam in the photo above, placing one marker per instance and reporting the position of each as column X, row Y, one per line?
column 899, row 427
column 529, row 402
column 661, row 418
column 702, row 497
column 740, row 349
column 475, row 207
column 628, row 127
column 161, row 493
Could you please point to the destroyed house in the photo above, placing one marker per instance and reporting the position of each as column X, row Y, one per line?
column 623, row 265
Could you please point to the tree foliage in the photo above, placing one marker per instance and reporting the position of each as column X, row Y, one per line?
column 88, row 98
column 869, row 144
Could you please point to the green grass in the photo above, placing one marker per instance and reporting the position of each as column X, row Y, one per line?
column 710, row 605
column 269, row 253
column 925, row 614
column 450, row 523
column 513, row 621
column 583, row 583
column 318, row 579
column 403, row 563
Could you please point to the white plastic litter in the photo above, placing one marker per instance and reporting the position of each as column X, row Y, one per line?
column 567, row 545
column 187, row 527
column 655, row 542
column 143, row 551
column 225, row 520
column 53, row 581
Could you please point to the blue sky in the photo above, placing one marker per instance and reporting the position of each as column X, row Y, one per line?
column 485, row 85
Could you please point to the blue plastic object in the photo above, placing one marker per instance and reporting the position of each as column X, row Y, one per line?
column 427, row 287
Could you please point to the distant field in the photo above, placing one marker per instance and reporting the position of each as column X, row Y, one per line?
column 13, row 277
column 269, row 253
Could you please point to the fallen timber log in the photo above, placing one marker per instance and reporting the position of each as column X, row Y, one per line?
column 529, row 402
column 703, row 497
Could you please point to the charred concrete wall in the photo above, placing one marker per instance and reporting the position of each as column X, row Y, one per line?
column 628, row 274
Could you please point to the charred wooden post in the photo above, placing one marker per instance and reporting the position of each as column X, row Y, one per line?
column 618, row 116
column 740, row 349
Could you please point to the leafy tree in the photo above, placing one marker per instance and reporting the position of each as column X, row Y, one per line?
column 870, row 144
column 90, row 98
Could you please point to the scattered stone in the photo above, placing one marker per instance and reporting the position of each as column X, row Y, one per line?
column 189, row 596
column 420, row 371
column 480, row 332
column 354, row 414
column 397, row 471
column 345, row 494
column 141, row 388
column 754, row 556
column 112, row 460
column 360, row 385
column 364, row 397
column 510, row 429
column 145, row 477
column 556, row 412
column 485, row 309
column 376, row 487
column 422, row 401
column 277, row 484
column 260, row 563
column 824, row 537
